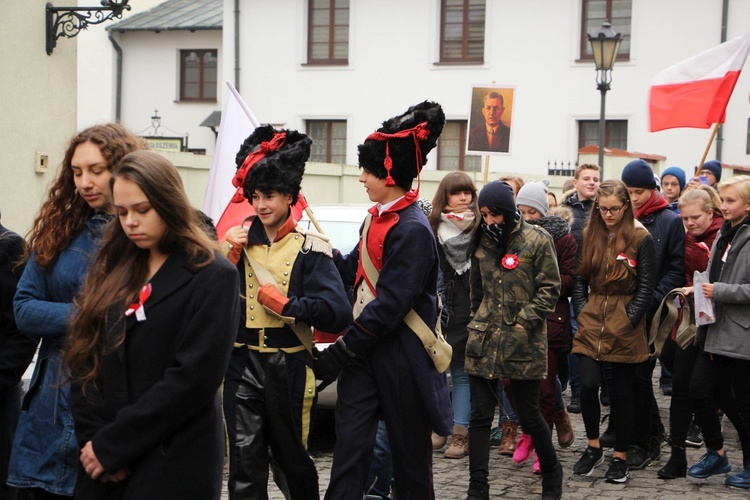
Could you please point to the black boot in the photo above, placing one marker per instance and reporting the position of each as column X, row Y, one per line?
column 478, row 492
column 676, row 466
column 552, row 483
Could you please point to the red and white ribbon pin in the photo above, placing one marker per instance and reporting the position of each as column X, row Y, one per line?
column 624, row 257
column 137, row 308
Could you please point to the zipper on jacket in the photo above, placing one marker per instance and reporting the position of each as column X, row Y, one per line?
column 604, row 315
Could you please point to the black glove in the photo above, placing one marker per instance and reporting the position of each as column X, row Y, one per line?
column 331, row 361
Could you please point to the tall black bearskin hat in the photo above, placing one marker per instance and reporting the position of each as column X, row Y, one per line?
column 271, row 160
column 398, row 150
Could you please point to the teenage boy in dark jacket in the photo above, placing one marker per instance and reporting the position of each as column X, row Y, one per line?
column 668, row 233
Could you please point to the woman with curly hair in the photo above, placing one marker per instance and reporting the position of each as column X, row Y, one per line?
column 150, row 344
column 63, row 239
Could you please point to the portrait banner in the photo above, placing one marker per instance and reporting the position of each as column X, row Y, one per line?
column 490, row 120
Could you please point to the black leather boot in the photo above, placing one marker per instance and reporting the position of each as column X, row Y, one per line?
column 478, row 492
column 552, row 483
column 676, row 466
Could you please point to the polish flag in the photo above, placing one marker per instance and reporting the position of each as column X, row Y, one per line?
column 695, row 92
column 237, row 123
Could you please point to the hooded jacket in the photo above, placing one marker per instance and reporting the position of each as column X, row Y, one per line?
column 559, row 327
column 520, row 291
column 728, row 336
column 611, row 322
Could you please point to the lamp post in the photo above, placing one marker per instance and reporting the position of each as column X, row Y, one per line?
column 604, row 46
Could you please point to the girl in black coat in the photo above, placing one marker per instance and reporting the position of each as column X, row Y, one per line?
column 150, row 345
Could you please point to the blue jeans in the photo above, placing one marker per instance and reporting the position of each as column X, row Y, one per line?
column 559, row 401
column 511, row 413
column 574, row 370
column 381, row 468
column 460, row 397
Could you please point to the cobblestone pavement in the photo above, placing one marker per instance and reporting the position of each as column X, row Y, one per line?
column 513, row 482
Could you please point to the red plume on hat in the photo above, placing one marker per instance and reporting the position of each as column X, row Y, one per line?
column 268, row 159
column 397, row 151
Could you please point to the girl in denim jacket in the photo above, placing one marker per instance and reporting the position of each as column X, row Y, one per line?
column 63, row 239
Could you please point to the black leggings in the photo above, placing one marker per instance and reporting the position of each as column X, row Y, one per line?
column 622, row 380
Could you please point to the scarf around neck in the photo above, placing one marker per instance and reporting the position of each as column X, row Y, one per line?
column 654, row 204
column 454, row 236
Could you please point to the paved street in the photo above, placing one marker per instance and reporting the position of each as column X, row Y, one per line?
column 512, row 482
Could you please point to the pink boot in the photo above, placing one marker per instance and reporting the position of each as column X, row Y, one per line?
column 524, row 449
column 536, row 469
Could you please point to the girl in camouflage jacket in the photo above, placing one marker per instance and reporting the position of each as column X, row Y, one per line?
column 514, row 285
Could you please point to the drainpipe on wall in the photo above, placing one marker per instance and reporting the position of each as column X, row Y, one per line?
column 237, row 44
column 118, row 77
column 724, row 15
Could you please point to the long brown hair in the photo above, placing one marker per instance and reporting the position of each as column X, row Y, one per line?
column 121, row 268
column 64, row 213
column 452, row 183
column 596, row 240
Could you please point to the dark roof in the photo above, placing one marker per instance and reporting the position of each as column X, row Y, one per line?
column 176, row 15
column 212, row 120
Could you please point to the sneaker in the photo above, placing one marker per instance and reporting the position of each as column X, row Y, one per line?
column 741, row 480
column 711, row 463
column 575, row 404
column 524, row 449
column 694, row 437
column 666, row 388
column 591, row 458
column 496, row 436
column 536, row 468
column 638, row 457
column 617, row 472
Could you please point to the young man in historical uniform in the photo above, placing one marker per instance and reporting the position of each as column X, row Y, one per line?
column 290, row 284
column 385, row 370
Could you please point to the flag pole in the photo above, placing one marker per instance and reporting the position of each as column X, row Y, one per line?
column 708, row 146
column 309, row 213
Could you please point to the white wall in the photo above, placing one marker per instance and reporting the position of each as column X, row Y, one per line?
column 96, row 67
column 38, row 112
column 534, row 46
column 151, row 82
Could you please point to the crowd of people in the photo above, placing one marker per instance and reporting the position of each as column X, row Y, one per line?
column 164, row 348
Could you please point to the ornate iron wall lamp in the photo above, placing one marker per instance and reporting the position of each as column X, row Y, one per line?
column 69, row 21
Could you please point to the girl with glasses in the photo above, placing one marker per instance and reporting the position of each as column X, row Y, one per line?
column 610, row 296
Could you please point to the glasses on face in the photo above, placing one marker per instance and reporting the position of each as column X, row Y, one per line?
column 612, row 210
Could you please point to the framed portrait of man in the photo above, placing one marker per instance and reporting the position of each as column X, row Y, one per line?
column 490, row 120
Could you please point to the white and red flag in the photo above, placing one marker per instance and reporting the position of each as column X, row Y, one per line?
column 695, row 92
column 237, row 123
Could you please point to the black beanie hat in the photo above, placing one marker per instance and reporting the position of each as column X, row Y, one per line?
column 271, row 160
column 397, row 151
column 715, row 167
column 497, row 194
column 638, row 174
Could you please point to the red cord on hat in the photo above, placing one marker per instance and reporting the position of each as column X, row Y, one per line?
column 419, row 133
column 238, row 181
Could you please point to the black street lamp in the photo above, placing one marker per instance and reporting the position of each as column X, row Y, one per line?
column 604, row 46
